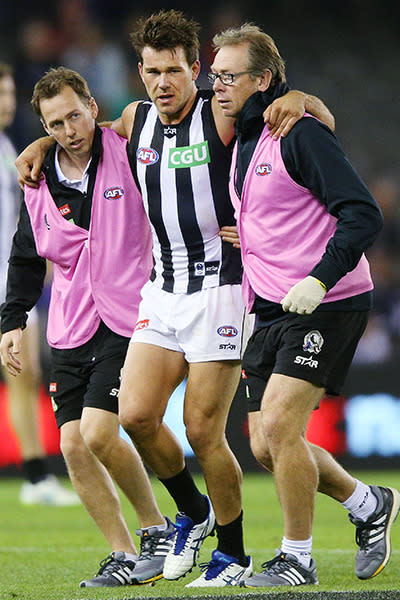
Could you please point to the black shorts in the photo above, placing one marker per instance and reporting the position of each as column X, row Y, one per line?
column 88, row 375
column 317, row 348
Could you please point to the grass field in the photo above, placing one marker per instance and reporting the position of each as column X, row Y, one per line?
column 45, row 552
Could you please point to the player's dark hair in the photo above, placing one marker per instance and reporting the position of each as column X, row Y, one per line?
column 166, row 30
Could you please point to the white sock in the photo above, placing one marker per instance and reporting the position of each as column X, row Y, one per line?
column 362, row 503
column 301, row 549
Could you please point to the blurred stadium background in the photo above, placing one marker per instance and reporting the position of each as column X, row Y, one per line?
column 347, row 52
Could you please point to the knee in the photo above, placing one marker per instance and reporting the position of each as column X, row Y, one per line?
column 138, row 425
column 277, row 428
column 202, row 436
column 72, row 447
column 97, row 441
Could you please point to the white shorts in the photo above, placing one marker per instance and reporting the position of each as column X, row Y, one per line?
column 208, row 325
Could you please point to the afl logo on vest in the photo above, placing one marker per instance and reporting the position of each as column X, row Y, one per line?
column 114, row 193
column 227, row 331
column 263, row 169
column 147, row 156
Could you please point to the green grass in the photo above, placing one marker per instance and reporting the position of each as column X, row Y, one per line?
column 46, row 551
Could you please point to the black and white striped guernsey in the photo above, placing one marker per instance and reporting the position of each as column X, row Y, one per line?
column 10, row 199
column 182, row 172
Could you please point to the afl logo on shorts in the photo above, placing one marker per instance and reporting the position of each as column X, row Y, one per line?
column 114, row 193
column 141, row 324
column 263, row 169
column 227, row 331
column 313, row 342
column 147, row 156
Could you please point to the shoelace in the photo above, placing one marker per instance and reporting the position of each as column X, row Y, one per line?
column 364, row 532
column 213, row 567
column 182, row 537
column 277, row 564
column 148, row 545
column 108, row 564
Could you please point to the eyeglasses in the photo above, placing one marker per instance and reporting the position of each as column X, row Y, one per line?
column 225, row 78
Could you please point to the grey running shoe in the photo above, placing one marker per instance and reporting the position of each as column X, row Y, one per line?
column 187, row 542
column 373, row 535
column 114, row 570
column 154, row 547
column 284, row 569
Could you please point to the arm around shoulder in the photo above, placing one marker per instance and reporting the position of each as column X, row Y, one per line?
column 29, row 162
column 286, row 110
column 318, row 109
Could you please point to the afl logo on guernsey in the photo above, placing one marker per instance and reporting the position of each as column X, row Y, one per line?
column 263, row 169
column 227, row 331
column 147, row 156
column 114, row 193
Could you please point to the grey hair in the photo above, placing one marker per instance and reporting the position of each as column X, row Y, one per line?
column 262, row 50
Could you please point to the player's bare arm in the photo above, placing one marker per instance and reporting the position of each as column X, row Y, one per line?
column 124, row 124
column 285, row 111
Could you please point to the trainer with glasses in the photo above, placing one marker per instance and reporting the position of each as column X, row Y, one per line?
column 179, row 151
column 304, row 219
column 87, row 217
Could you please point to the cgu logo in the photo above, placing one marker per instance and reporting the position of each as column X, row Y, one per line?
column 189, row 156
column 147, row 156
column 263, row 169
column 114, row 193
column 227, row 331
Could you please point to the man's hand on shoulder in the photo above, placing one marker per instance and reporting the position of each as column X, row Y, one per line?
column 29, row 162
column 284, row 112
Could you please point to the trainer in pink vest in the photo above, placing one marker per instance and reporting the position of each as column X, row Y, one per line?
column 284, row 230
column 97, row 274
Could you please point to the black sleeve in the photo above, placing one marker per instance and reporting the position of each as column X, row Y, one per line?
column 314, row 159
column 26, row 273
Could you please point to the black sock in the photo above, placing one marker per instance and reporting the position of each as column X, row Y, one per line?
column 230, row 540
column 35, row 469
column 188, row 498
